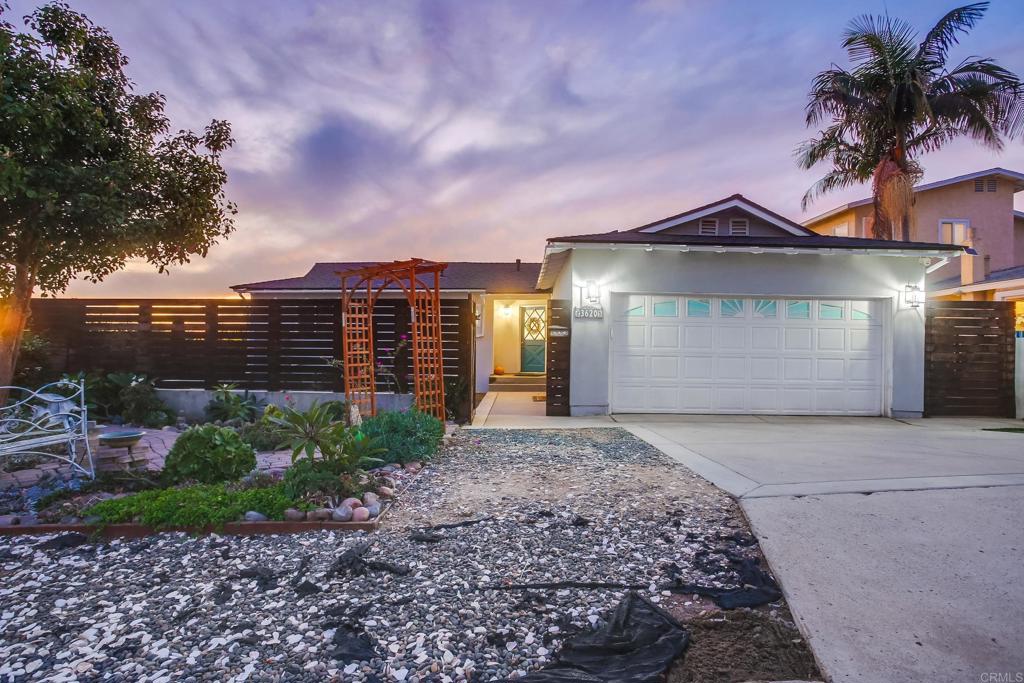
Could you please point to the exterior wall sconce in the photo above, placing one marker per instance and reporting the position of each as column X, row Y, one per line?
column 506, row 310
column 593, row 291
column 912, row 296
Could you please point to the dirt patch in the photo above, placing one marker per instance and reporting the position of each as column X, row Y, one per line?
column 744, row 645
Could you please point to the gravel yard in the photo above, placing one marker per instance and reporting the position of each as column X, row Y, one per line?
column 593, row 505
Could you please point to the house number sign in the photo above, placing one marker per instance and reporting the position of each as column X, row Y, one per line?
column 588, row 312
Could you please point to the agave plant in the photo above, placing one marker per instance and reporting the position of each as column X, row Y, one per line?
column 317, row 430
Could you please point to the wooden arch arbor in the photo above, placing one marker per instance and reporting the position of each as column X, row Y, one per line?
column 419, row 281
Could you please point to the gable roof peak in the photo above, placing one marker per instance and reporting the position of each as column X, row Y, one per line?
column 732, row 201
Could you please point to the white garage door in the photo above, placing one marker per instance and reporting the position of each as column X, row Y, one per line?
column 697, row 354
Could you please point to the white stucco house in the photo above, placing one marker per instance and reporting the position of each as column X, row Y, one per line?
column 725, row 308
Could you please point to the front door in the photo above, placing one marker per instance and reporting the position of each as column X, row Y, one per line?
column 533, row 331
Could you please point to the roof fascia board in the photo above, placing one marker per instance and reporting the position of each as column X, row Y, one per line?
column 715, row 208
column 721, row 248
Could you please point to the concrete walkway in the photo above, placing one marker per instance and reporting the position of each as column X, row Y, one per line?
column 899, row 545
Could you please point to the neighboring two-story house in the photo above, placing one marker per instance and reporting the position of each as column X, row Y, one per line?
column 975, row 209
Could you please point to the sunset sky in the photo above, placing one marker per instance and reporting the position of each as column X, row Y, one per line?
column 473, row 130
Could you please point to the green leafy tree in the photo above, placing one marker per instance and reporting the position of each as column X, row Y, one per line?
column 90, row 176
column 899, row 101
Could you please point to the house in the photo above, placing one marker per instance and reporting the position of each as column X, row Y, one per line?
column 732, row 308
column 974, row 209
column 509, row 312
column 725, row 308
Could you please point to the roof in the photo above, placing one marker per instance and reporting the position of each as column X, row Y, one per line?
column 1015, row 176
column 495, row 278
column 732, row 201
column 994, row 278
column 812, row 241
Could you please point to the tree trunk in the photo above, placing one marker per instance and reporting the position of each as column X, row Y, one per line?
column 14, row 314
column 905, row 229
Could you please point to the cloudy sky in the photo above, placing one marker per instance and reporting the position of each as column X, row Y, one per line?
column 469, row 130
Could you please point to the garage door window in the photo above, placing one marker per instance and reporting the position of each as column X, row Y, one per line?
column 798, row 310
column 634, row 306
column 765, row 308
column 731, row 308
column 860, row 311
column 698, row 308
column 830, row 311
column 665, row 308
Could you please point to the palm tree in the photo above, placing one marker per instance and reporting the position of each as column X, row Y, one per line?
column 899, row 101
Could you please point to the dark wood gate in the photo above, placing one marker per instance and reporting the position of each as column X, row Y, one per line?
column 969, row 358
column 559, row 342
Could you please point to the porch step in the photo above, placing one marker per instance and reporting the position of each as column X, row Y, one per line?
column 532, row 383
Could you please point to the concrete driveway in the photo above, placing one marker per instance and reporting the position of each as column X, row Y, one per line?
column 899, row 545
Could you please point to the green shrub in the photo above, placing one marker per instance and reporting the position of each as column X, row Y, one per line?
column 408, row 436
column 192, row 506
column 33, row 369
column 226, row 405
column 208, row 454
column 262, row 436
column 141, row 406
column 318, row 481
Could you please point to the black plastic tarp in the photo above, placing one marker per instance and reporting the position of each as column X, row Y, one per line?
column 636, row 646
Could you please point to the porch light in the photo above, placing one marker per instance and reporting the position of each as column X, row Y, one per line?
column 593, row 290
column 912, row 296
column 506, row 310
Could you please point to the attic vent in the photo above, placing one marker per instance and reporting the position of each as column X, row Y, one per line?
column 739, row 226
column 990, row 185
column 979, row 185
column 707, row 226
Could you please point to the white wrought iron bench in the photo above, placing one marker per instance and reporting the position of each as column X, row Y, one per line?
column 51, row 422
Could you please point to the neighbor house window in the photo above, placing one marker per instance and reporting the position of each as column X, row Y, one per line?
column 953, row 231
column 698, row 308
column 707, row 226
column 867, row 226
column 739, row 226
column 841, row 230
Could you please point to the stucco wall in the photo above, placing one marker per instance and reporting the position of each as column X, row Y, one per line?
column 776, row 275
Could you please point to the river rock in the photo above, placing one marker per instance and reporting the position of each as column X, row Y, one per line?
column 352, row 502
column 293, row 515
column 342, row 513
column 253, row 516
column 360, row 514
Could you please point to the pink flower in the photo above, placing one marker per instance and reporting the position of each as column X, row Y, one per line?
column 403, row 337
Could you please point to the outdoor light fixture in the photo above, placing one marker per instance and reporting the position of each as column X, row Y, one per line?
column 593, row 290
column 912, row 296
column 507, row 310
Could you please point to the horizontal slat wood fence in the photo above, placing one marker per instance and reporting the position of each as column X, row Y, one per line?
column 969, row 358
column 262, row 344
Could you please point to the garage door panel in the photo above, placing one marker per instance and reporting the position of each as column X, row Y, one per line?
column 798, row 339
column 864, row 340
column 630, row 367
column 831, row 370
column 732, row 337
column 832, row 339
column 664, row 337
column 695, row 398
column 764, row 368
column 702, row 354
column 764, row 338
column 665, row 367
column 730, row 399
column 797, row 369
column 698, row 367
column 697, row 337
column 732, row 367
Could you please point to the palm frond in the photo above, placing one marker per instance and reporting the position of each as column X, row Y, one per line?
column 944, row 34
column 833, row 180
